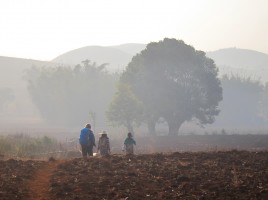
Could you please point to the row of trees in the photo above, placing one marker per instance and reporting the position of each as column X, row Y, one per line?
column 244, row 102
column 68, row 96
column 168, row 81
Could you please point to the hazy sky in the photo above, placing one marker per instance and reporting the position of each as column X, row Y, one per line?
column 44, row 29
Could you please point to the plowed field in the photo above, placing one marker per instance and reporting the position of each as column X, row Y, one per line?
column 202, row 175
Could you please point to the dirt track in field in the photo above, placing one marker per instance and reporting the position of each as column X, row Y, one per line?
column 39, row 186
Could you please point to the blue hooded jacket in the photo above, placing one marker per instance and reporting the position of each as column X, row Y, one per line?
column 87, row 137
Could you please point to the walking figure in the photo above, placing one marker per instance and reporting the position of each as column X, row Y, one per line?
column 104, row 144
column 87, row 141
column 129, row 144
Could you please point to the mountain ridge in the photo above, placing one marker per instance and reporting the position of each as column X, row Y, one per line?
column 239, row 57
column 229, row 60
column 118, row 56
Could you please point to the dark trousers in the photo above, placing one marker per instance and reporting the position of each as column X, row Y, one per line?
column 87, row 150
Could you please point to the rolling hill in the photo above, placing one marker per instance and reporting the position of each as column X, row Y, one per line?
column 240, row 58
column 230, row 60
column 12, row 70
column 21, row 109
column 243, row 62
column 117, row 56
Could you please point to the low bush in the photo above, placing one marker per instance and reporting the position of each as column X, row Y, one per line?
column 21, row 145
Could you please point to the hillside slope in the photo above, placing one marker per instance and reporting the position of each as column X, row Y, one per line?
column 12, row 69
column 244, row 62
column 116, row 58
column 12, row 77
column 239, row 58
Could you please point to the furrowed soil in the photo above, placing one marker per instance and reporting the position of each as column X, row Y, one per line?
column 201, row 175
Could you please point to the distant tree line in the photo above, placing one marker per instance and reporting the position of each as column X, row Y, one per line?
column 169, row 81
column 243, row 102
column 69, row 96
column 6, row 96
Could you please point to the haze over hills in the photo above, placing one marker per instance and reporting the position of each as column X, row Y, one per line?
column 12, row 69
column 236, row 57
column 243, row 62
column 131, row 48
column 117, row 56
column 231, row 60
column 11, row 77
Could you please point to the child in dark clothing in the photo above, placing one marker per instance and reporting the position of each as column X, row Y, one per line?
column 129, row 144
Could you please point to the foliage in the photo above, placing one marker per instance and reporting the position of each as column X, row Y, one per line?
column 25, row 146
column 6, row 96
column 264, row 102
column 176, row 82
column 125, row 109
column 66, row 96
column 241, row 101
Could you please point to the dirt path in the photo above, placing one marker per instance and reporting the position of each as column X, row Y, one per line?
column 39, row 186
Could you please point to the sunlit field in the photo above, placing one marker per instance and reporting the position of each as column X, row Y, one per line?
column 217, row 166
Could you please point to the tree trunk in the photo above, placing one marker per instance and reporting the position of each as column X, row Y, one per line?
column 173, row 127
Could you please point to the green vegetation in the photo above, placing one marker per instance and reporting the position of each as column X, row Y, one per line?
column 241, row 105
column 174, row 82
column 165, row 85
column 25, row 146
column 125, row 109
column 66, row 95
column 6, row 96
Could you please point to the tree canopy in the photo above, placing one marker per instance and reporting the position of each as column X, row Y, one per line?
column 244, row 94
column 125, row 109
column 68, row 96
column 175, row 82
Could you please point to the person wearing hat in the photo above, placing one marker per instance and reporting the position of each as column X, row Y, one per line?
column 129, row 144
column 104, row 144
column 87, row 141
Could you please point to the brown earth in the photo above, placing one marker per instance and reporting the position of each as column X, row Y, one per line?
column 14, row 176
column 39, row 185
column 188, row 175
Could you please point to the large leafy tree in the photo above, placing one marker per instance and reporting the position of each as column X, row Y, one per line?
column 176, row 82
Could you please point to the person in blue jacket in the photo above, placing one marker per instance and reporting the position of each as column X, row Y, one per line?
column 87, row 141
